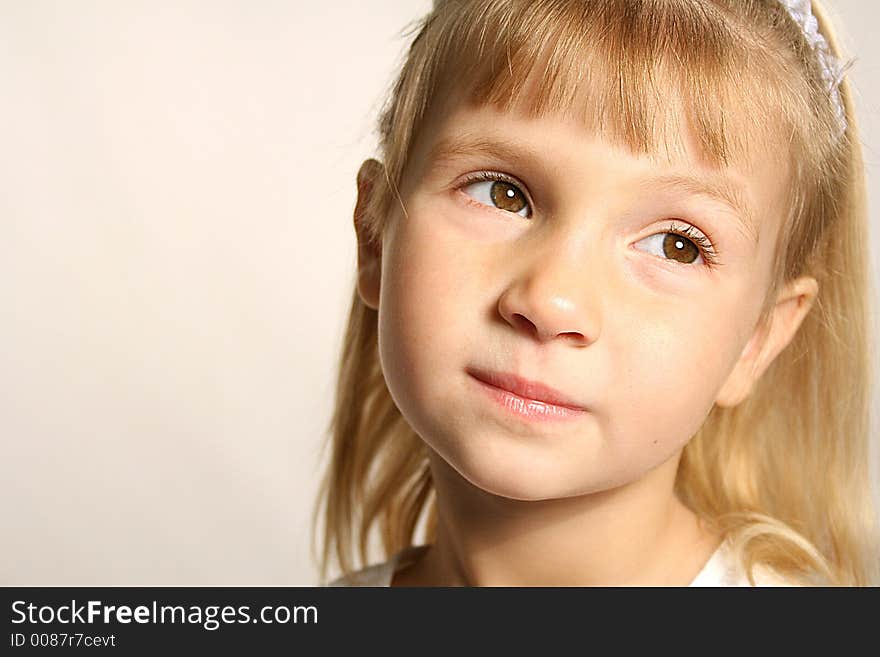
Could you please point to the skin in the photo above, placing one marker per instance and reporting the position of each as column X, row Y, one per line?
column 577, row 297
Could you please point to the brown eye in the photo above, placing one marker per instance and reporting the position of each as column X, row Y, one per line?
column 679, row 248
column 507, row 197
column 496, row 192
column 684, row 245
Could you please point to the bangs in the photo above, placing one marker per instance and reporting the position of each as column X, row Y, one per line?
column 648, row 76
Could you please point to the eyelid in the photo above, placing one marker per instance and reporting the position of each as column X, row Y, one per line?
column 702, row 237
column 682, row 225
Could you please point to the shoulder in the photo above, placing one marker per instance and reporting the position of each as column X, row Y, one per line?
column 380, row 574
column 376, row 575
column 724, row 569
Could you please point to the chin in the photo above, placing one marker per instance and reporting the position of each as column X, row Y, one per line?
column 516, row 474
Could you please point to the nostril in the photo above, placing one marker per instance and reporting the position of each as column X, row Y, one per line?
column 524, row 323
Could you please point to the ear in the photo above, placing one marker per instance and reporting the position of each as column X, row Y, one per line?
column 369, row 252
column 792, row 305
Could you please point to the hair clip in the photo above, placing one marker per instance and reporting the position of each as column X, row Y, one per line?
column 832, row 68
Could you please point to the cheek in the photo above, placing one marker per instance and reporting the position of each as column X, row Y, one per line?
column 425, row 315
column 435, row 280
column 668, row 375
column 425, row 282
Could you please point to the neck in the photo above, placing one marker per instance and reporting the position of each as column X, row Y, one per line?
column 639, row 534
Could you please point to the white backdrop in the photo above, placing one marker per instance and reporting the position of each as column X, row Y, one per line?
column 176, row 261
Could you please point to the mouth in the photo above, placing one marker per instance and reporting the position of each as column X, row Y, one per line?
column 531, row 400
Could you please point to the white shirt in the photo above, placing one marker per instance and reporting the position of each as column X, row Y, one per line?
column 720, row 570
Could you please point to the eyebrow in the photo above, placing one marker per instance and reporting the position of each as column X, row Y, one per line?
column 716, row 188
column 721, row 190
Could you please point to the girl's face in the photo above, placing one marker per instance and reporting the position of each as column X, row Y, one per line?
column 530, row 248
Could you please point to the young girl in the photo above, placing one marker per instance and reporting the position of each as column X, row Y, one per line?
column 610, row 324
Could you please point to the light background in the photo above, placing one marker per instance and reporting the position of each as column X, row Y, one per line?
column 176, row 261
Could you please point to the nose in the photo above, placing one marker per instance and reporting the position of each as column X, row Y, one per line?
column 550, row 299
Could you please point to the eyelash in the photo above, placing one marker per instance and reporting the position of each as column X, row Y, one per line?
column 702, row 242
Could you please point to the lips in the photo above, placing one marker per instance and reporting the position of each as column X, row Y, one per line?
column 530, row 390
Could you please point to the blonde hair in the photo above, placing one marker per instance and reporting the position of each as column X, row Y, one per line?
column 785, row 474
